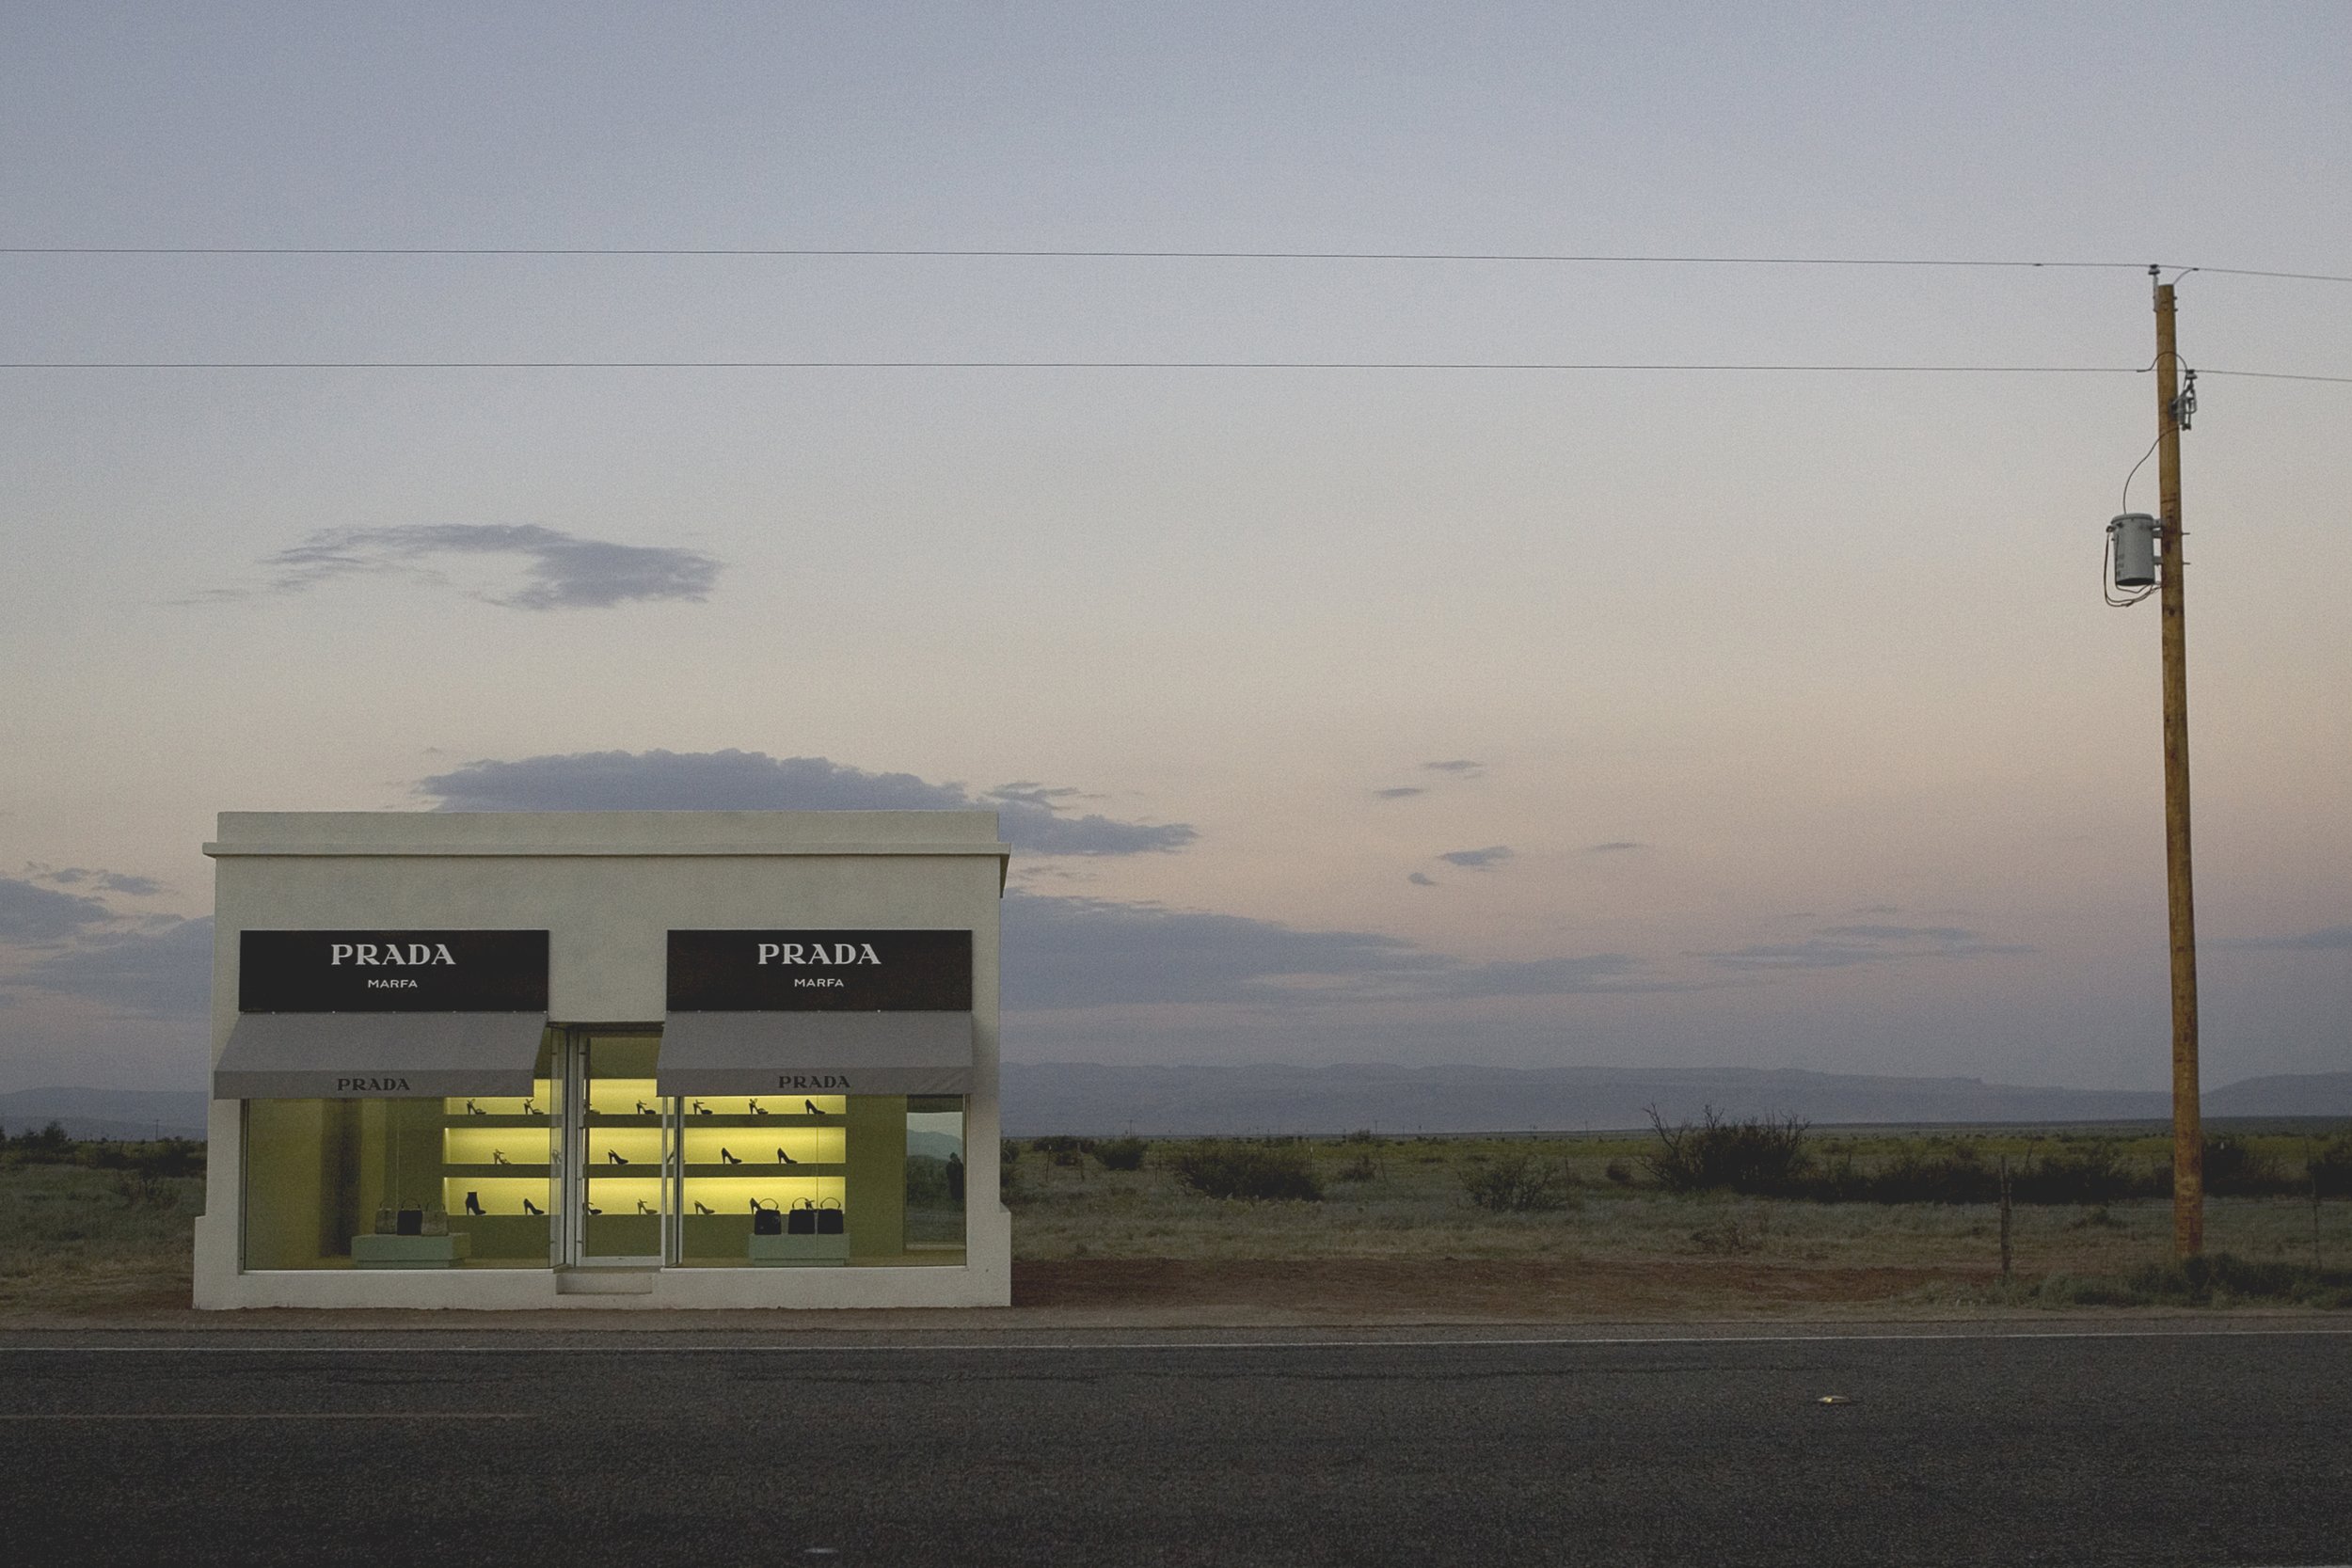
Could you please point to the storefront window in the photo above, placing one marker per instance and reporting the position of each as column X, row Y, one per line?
column 618, row 1175
column 459, row 1182
column 935, row 1175
column 824, row 1181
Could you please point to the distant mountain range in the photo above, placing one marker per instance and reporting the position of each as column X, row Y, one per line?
column 107, row 1113
column 1092, row 1099
column 1089, row 1098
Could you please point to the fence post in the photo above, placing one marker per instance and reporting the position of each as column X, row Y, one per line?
column 2005, row 1248
column 2315, row 1263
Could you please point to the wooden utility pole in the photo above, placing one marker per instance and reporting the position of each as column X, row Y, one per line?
column 2188, row 1133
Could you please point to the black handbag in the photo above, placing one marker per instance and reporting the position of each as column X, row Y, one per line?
column 409, row 1222
column 766, row 1220
column 830, row 1221
column 802, row 1220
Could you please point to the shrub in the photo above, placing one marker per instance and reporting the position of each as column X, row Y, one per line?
column 2331, row 1168
column 1120, row 1153
column 2234, row 1168
column 1361, row 1168
column 1939, row 1172
column 1519, row 1184
column 1619, row 1173
column 1217, row 1169
column 1731, row 1235
column 1762, row 1155
column 48, row 1147
column 2088, row 1172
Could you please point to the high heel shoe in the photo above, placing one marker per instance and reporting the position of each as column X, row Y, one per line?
column 702, row 1208
column 812, row 1108
column 531, row 1208
column 729, row 1158
column 474, row 1110
column 497, row 1158
column 473, row 1203
column 700, row 1109
column 644, row 1109
column 644, row 1208
column 758, row 1109
column 528, row 1109
column 614, row 1155
column 593, row 1210
column 784, row 1159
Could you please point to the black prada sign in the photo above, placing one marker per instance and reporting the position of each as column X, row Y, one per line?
column 838, row 971
column 392, row 971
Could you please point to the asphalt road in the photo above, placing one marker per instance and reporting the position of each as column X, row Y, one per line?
column 2137, row 1447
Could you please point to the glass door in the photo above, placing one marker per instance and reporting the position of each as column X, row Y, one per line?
column 620, row 1180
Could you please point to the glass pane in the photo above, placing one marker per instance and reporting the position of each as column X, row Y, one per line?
column 399, row 1184
column 785, row 1156
column 624, row 1192
column 935, row 1175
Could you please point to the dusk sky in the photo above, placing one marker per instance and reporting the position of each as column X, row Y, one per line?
column 1519, row 717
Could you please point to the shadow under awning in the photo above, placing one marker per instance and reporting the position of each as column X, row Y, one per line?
column 375, row 1056
column 815, row 1052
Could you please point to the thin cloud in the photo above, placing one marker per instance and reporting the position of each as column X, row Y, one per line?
column 2332, row 939
column 1844, row 946
column 1032, row 817
column 105, row 881
column 166, row 972
column 1461, row 767
column 1074, row 951
column 1478, row 859
column 561, row 571
column 1422, row 879
column 32, row 913
column 1402, row 792
column 1614, row 846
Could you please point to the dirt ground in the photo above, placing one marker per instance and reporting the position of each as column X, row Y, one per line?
column 1191, row 1293
column 1392, row 1290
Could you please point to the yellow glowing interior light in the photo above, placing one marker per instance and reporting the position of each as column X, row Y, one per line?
column 620, row 1194
column 757, row 1146
column 620, row 1097
column 535, row 1104
column 636, row 1146
column 734, row 1194
column 481, row 1145
column 501, row 1196
column 764, row 1105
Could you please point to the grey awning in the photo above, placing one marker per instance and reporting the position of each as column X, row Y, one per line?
column 816, row 1053
column 376, row 1055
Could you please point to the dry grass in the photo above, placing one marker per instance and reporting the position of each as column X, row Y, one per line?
column 1409, row 1204
column 73, row 1239
column 1396, row 1234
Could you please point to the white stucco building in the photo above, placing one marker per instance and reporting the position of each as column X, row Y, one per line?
column 663, row 1059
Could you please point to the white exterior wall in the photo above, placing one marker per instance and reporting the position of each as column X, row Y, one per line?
column 608, row 887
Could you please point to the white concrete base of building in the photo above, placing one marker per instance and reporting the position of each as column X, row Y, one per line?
column 626, row 1288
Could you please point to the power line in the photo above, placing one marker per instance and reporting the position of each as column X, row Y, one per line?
column 1048, row 253
column 2257, row 271
column 2280, row 375
column 1070, row 365
column 968, row 253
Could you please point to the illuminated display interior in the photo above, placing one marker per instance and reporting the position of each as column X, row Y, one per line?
column 677, row 1181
